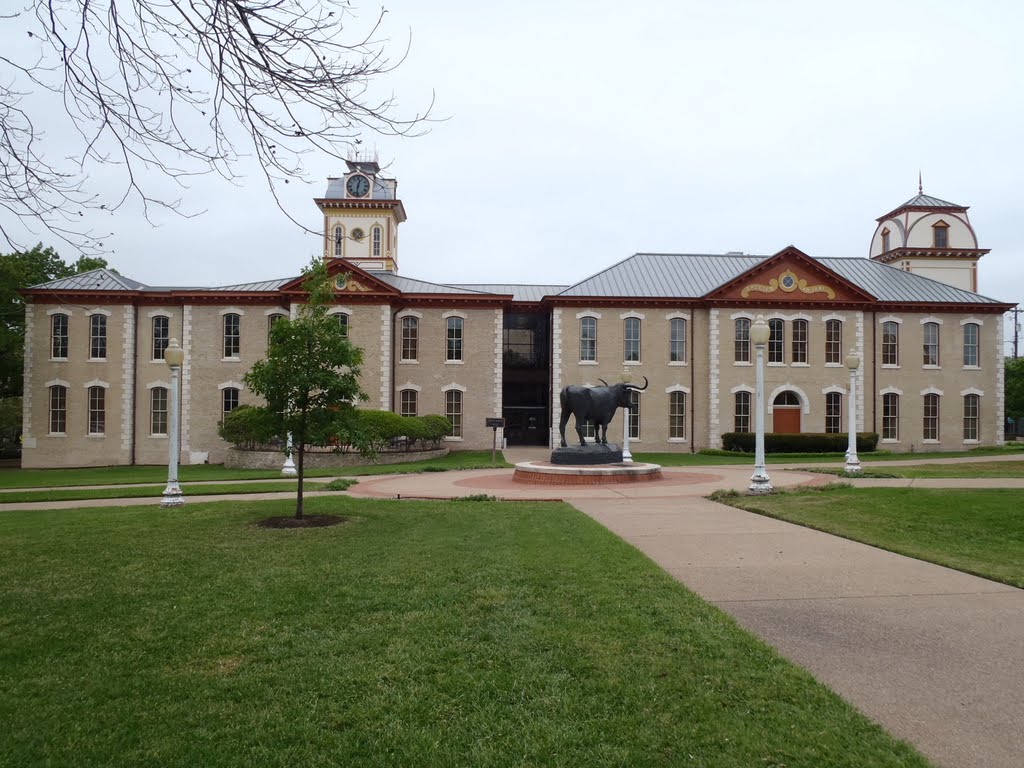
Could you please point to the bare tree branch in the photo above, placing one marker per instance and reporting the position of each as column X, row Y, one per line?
column 180, row 88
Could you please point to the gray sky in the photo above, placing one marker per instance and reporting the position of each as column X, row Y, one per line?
column 579, row 133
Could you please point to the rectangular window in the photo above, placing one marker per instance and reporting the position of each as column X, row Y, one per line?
column 742, row 416
column 677, row 415
column 890, row 416
column 931, row 343
column 833, row 412
column 972, row 404
column 97, row 337
column 776, row 341
column 410, row 338
column 799, row 341
column 232, row 335
column 971, row 344
column 931, row 417
column 941, row 235
column 229, row 400
column 376, row 241
column 158, row 411
column 890, row 343
column 453, row 410
column 58, row 410
column 161, row 335
column 634, row 415
column 833, row 341
column 59, row 336
column 742, row 337
column 407, row 399
column 631, row 340
column 677, row 340
column 342, row 320
column 272, row 320
column 97, row 410
column 588, row 339
column 453, row 347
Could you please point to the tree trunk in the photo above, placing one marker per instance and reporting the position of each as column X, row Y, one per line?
column 298, row 496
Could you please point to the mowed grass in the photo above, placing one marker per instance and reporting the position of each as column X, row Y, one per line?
column 198, row 473
column 706, row 458
column 416, row 634
column 156, row 491
column 980, row 531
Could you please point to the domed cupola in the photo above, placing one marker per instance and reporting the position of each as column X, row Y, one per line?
column 929, row 237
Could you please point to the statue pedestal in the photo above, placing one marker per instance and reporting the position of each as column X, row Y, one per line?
column 587, row 455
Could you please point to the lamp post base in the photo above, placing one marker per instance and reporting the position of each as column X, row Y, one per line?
column 760, row 484
column 172, row 496
column 289, row 470
column 852, row 466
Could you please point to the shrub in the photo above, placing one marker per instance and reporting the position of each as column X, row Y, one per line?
column 380, row 428
column 803, row 442
column 436, row 428
column 248, row 427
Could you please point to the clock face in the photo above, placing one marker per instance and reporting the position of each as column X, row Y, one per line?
column 358, row 186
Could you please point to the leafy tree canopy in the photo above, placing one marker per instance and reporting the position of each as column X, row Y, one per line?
column 1014, row 388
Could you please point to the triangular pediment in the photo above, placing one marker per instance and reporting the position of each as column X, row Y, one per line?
column 349, row 280
column 790, row 276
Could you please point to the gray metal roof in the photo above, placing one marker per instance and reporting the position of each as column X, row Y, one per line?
column 890, row 284
column 927, row 201
column 410, row 285
column 94, row 280
column 519, row 291
column 262, row 285
column 660, row 275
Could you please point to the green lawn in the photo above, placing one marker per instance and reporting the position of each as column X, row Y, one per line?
column 705, row 458
column 972, row 469
column 197, row 473
column 142, row 491
column 977, row 531
column 419, row 634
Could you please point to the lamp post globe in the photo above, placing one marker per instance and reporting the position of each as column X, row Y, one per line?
column 174, row 356
column 852, row 461
column 760, row 334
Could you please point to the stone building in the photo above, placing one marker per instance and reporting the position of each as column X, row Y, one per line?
column 96, row 386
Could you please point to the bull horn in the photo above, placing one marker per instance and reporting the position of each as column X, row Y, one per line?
column 638, row 389
column 603, row 382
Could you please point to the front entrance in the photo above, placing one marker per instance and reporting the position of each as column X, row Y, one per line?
column 786, row 413
column 526, row 378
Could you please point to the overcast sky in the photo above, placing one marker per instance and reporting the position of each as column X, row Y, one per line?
column 578, row 133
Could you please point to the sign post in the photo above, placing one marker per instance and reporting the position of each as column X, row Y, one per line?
column 495, row 425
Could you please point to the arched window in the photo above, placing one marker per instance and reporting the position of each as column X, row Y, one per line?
column 232, row 335
column 343, row 320
column 972, row 408
column 453, row 410
column 161, row 335
column 410, row 338
column 941, row 235
column 59, row 336
column 158, row 411
column 885, row 240
column 631, row 340
column 931, row 344
column 229, row 400
column 971, row 331
column 787, row 397
column 890, row 343
column 890, row 416
column 376, row 240
column 408, row 400
column 677, row 416
column 833, row 341
column 799, row 341
column 931, row 417
column 339, row 240
column 97, row 410
column 677, row 340
column 58, row 409
column 742, row 338
column 97, row 337
column 634, row 414
column 741, row 422
column 776, row 341
column 833, row 412
column 588, row 339
column 453, row 339
column 272, row 320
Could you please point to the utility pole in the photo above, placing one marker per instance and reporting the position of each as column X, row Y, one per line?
column 1016, row 332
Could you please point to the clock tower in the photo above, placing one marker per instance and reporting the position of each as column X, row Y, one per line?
column 361, row 216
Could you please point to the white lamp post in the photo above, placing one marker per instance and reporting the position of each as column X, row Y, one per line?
column 760, row 483
column 852, row 462
column 627, row 455
column 289, row 470
column 174, row 356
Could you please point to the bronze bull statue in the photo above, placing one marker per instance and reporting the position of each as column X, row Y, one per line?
column 594, row 404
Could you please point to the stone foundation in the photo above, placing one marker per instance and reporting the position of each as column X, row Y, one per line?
column 236, row 459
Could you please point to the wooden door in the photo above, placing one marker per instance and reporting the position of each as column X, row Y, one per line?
column 786, row 419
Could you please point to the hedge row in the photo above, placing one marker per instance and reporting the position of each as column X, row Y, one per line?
column 803, row 442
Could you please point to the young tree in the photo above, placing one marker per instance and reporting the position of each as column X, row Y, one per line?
column 177, row 89
column 20, row 270
column 310, row 377
column 1014, row 390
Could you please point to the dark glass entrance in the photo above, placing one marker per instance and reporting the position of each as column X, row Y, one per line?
column 525, row 378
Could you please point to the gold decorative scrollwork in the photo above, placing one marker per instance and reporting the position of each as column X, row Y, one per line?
column 805, row 288
column 772, row 286
column 788, row 282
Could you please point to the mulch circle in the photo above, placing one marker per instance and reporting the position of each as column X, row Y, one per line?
column 307, row 521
